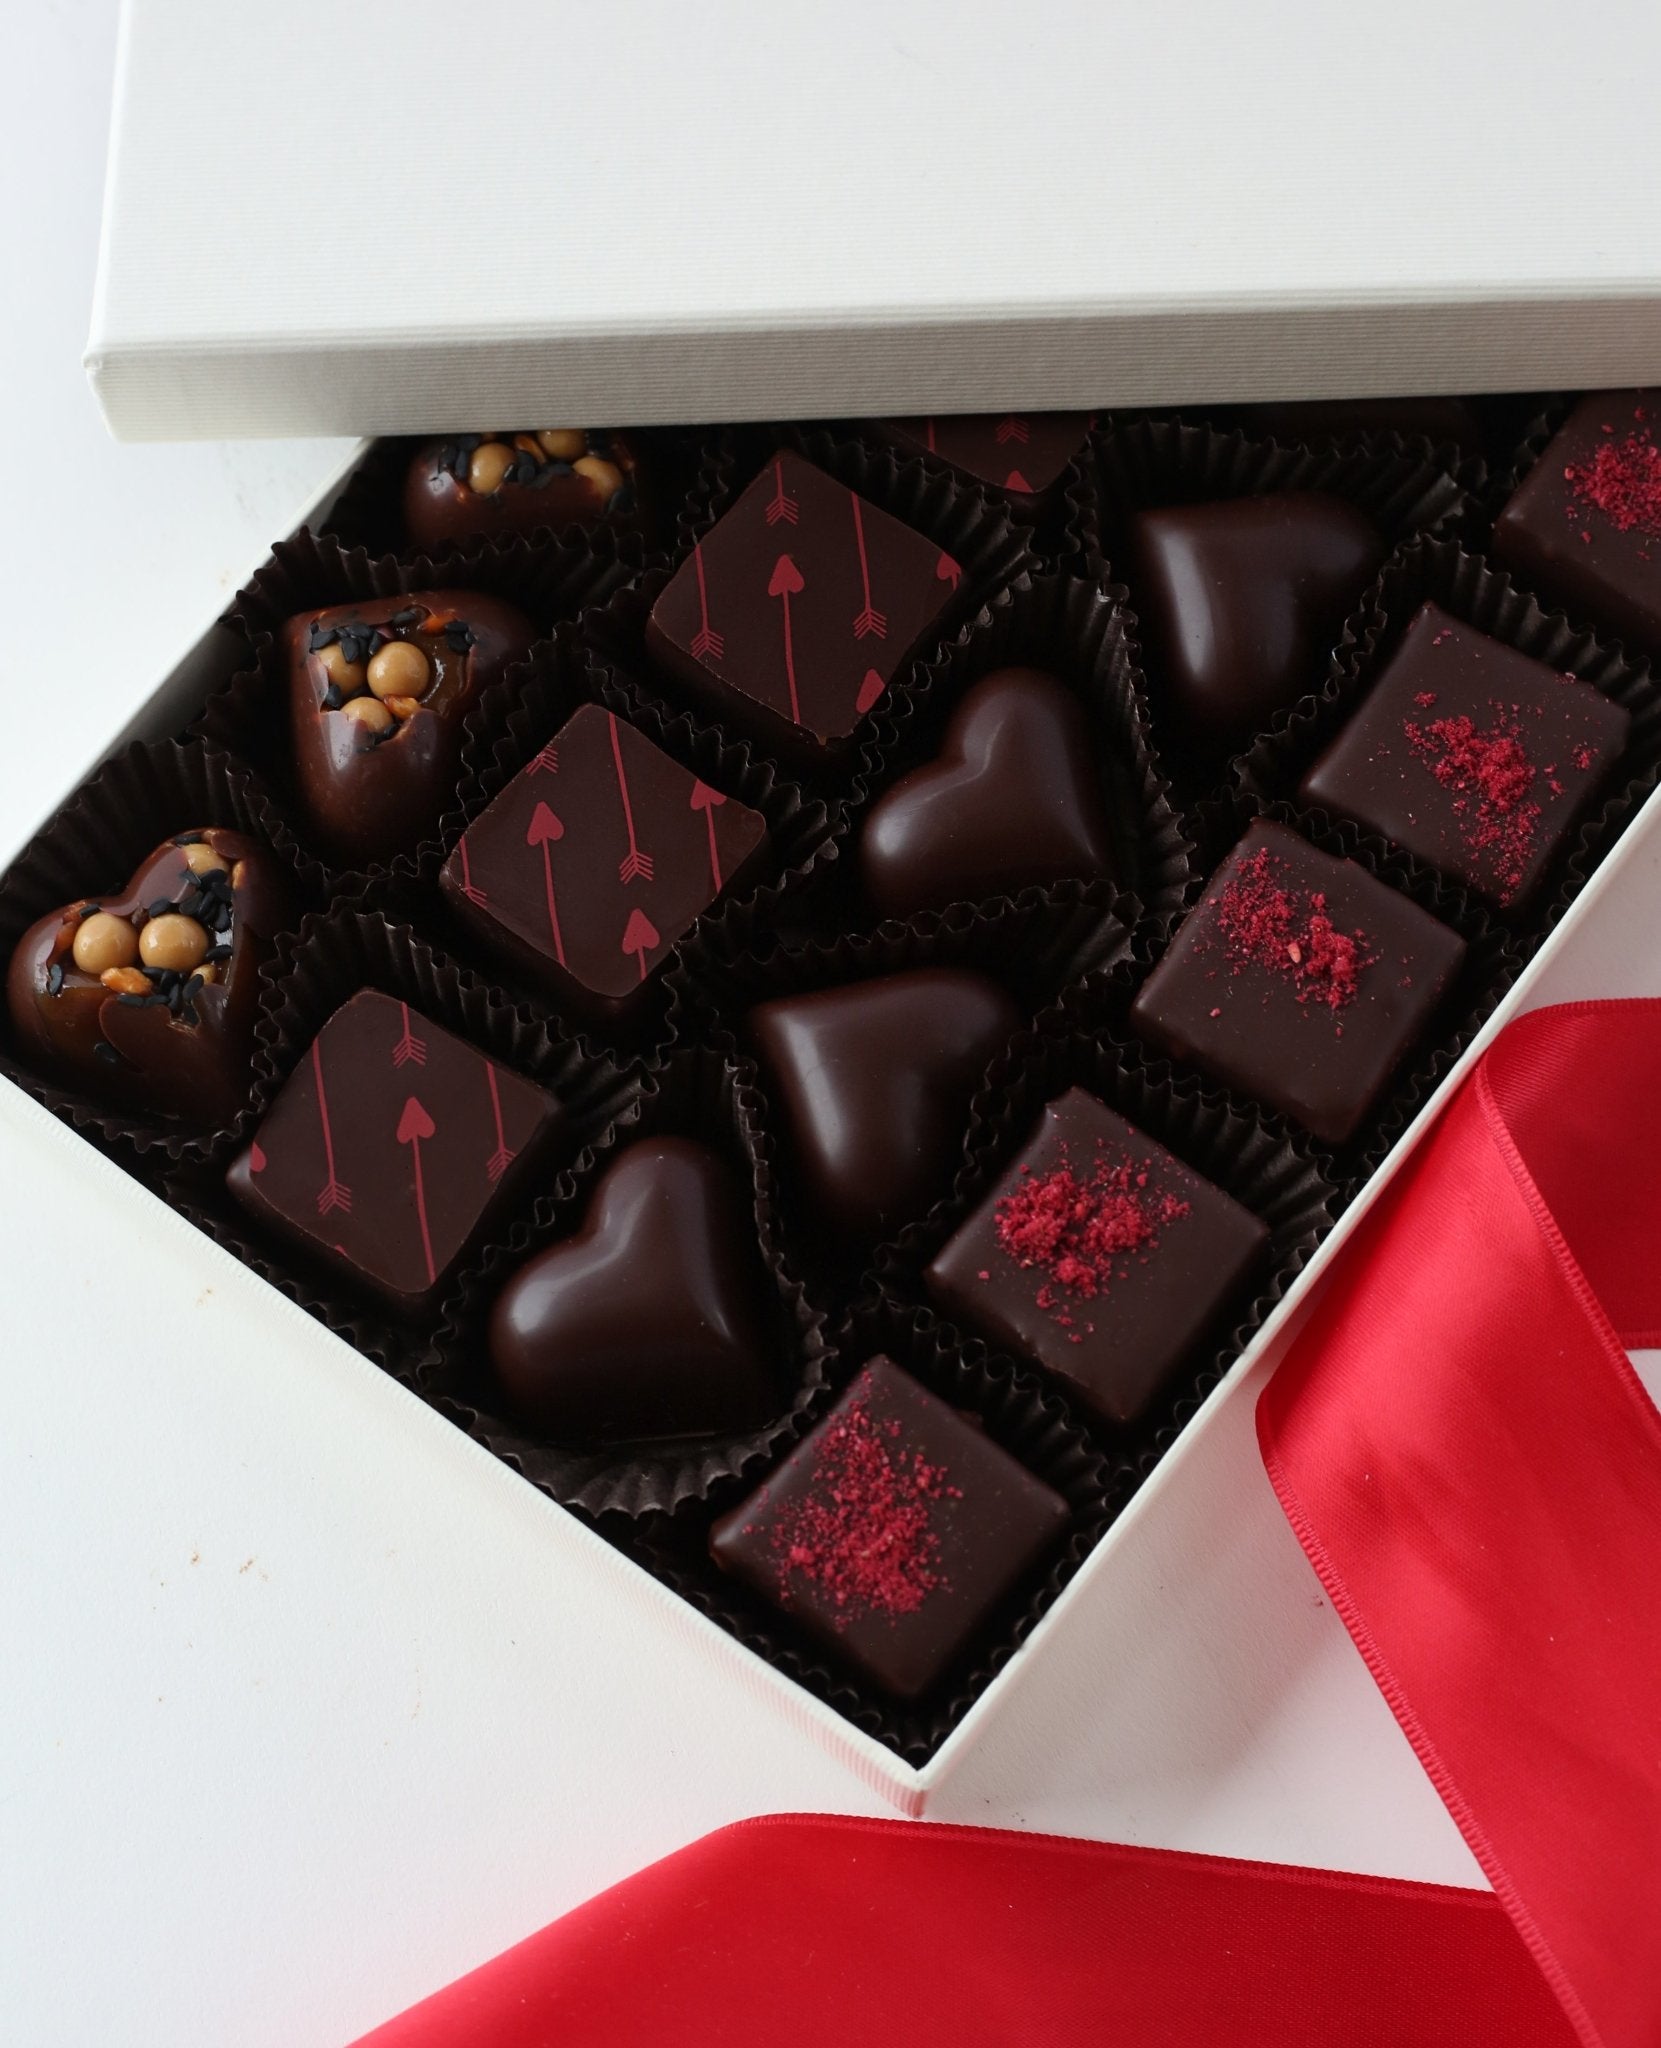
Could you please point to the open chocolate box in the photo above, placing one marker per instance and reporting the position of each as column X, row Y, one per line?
column 1245, row 942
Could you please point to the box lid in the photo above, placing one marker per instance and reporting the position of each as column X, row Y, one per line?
column 323, row 219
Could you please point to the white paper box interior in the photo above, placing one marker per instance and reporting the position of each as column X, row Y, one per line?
column 327, row 219
column 625, row 1628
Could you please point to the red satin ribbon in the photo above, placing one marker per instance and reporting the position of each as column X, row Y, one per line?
column 1475, row 1472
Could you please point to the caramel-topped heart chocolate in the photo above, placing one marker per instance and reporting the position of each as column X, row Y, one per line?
column 650, row 1323
column 1013, row 799
column 1242, row 600
column 150, row 997
column 378, row 695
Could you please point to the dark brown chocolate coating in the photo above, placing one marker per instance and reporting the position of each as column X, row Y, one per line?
column 649, row 1324
column 392, row 1147
column 177, row 1051
column 892, row 1533
column 370, row 798
column 1470, row 756
column 1022, row 456
column 1013, row 800
column 875, row 1081
column 1242, row 600
column 1237, row 995
column 596, row 858
column 1583, row 529
column 539, row 490
column 1115, row 1340
column 799, row 608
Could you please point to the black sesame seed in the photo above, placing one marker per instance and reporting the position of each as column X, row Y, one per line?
column 321, row 637
column 445, row 458
column 134, row 1002
column 163, row 977
column 107, row 1053
column 377, row 641
column 332, row 698
column 622, row 499
column 191, row 902
column 559, row 469
column 542, row 479
column 218, row 918
column 469, row 442
column 54, row 978
column 217, row 953
column 189, row 839
column 162, row 907
column 407, row 617
column 91, row 909
column 195, row 982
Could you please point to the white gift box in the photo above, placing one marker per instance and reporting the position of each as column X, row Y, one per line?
column 1109, row 229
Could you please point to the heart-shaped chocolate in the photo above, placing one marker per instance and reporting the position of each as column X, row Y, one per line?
column 1013, row 799
column 1242, row 600
column 875, row 1080
column 378, row 695
column 150, row 997
column 649, row 1324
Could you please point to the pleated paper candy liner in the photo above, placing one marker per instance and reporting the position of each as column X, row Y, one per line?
column 88, row 851
column 507, row 733
column 249, row 714
column 334, row 956
column 1030, row 1421
column 1077, row 630
column 1532, row 439
column 1034, row 947
column 1486, row 598
column 369, row 512
column 1251, row 1154
column 987, row 543
column 1490, row 966
column 699, row 1095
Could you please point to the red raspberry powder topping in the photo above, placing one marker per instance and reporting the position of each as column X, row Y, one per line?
column 1622, row 480
column 1082, row 1232
column 1491, row 777
column 864, row 1531
column 1290, row 932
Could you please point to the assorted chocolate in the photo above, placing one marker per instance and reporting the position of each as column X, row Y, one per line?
column 378, row 695
column 472, row 484
column 628, row 1295
column 148, row 998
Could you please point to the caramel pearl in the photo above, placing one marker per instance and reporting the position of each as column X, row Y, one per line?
column 201, row 859
column 346, row 676
column 173, row 940
column 399, row 670
column 103, row 941
column 605, row 476
column 370, row 713
column 489, row 464
column 563, row 444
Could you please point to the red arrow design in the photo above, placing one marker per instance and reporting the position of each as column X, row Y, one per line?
column 543, row 830
column 781, row 505
column 706, row 642
column 502, row 1158
column 639, row 937
column 547, row 762
column 256, row 1159
column 469, row 888
column 929, row 441
column 869, row 620
column 708, row 801
column 335, row 1193
column 413, row 1126
column 409, row 1047
column 635, row 865
column 869, row 691
column 1013, row 430
column 785, row 582
column 947, row 571
column 1016, row 482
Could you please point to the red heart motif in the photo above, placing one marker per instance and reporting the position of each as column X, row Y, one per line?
column 544, row 826
column 869, row 690
column 786, row 578
column 415, row 1122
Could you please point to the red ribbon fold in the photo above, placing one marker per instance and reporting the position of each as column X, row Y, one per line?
column 1474, row 1470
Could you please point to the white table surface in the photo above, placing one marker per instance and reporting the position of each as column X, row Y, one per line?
column 271, row 1765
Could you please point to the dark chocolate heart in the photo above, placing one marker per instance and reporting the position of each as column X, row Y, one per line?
column 376, row 754
column 875, row 1081
column 1013, row 799
column 174, row 1040
column 649, row 1324
column 1242, row 600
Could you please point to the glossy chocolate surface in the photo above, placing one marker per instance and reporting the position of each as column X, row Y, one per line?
column 371, row 795
column 1470, row 756
column 391, row 1148
column 1023, row 456
column 1013, row 799
column 596, row 858
column 1300, row 979
column 799, row 608
column 650, row 1323
column 177, row 1043
column 1100, row 1256
column 874, row 1081
column 1583, row 529
column 1242, row 601
column 892, row 1533
column 535, row 488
